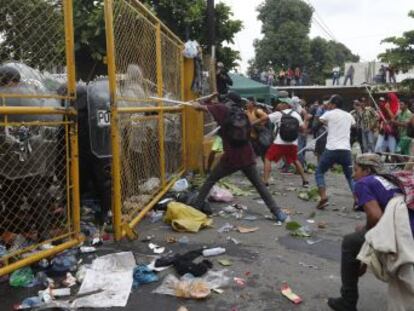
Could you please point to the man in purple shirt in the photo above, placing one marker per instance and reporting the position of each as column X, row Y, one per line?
column 235, row 158
column 373, row 191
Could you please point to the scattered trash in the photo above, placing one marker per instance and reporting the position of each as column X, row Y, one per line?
column 302, row 232
column 150, row 185
column 22, row 278
column 293, row 226
column 70, row 280
column 322, row 225
column 110, row 277
column 291, row 189
column 289, row 294
column 180, row 185
column 308, row 266
column 247, row 229
column 147, row 238
column 64, row 262
column 87, row 249
column 190, row 287
column 156, row 248
column 80, row 274
column 260, row 202
column 226, row 228
column 143, row 275
column 155, row 216
column 184, row 240
column 29, row 303
column 236, row 242
column 171, row 240
column 311, row 221
column 54, row 292
column 239, row 281
column 152, row 267
column 218, row 291
column 233, row 210
column 310, row 195
column 236, row 191
column 218, row 194
column 250, row 218
column 185, row 218
column 313, row 241
column 225, row 262
column 213, row 251
column 182, row 308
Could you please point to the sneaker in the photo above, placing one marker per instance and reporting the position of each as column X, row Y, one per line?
column 282, row 217
column 340, row 304
column 305, row 184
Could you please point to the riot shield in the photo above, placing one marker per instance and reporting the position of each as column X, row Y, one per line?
column 99, row 118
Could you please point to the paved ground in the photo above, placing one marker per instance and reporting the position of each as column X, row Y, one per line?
column 265, row 258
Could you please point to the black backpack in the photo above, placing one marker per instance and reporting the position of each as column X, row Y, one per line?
column 237, row 127
column 289, row 127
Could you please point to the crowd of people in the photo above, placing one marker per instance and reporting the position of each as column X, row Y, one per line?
column 248, row 131
column 290, row 76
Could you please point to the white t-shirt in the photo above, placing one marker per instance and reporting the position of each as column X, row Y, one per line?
column 339, row 124
column 276, row 118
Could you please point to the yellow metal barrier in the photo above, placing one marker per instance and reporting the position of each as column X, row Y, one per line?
column 148, row 136
column 39, row 213
column 39, row 194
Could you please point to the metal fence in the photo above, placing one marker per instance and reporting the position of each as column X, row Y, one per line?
column 39, row 195
column 144, row 63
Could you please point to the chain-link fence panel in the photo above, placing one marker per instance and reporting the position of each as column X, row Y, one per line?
column 148, row 63
column 36, row 198
column 37, row 34
column 140, row 162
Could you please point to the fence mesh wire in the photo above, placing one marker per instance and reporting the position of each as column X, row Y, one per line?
column 35, row 205
column 141, row 134
column 32, row 32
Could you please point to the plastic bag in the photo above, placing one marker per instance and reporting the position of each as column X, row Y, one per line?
column 185, row 218
column 22, row 278
column 180, row 185
column 218, row 194
column 191, row 49
column 143, row 275
column 190, row 287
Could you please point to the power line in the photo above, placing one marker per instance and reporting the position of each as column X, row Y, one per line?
column 321, row 23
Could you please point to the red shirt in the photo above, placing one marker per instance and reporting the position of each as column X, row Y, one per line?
column 234, row 157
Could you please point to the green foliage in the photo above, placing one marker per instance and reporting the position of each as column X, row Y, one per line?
column 187, row 19
column 286, row 42
column 401, row 55
column 32, row 32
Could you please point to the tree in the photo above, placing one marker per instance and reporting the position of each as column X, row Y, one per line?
column 401, row 55
column 187, row 19
column 286, row 42
column 32, row 32
column 286, row 26
column 324, row 56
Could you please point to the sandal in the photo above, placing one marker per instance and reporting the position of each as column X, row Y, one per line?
column 322, row 204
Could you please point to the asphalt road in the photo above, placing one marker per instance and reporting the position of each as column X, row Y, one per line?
column 265, row 259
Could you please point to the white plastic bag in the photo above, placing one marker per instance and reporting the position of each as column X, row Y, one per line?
column 180, row 185
column 218, row 194
column 191, row 49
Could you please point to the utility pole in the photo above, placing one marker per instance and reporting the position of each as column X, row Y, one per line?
column 211, row 27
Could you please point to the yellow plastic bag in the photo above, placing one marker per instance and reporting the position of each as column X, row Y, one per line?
column 185, row 218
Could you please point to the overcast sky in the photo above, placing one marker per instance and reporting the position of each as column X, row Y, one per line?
column 359, row 24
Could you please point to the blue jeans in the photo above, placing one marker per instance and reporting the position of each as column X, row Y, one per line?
column 328, row 159
column 386, row 143
column 368, row 139
column 302, row 144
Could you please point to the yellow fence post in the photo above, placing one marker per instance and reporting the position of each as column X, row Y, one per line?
column 160, row 93
column 74, row 162
column 194, row 123
column 70, row 47
column 116, row 161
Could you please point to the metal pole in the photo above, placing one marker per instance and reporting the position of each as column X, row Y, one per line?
column 116, row 161
column 160, row 85
column 211, row 25
column 313, row 141
column 70, row 47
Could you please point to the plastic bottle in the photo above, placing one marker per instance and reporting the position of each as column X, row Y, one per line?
column 213, row 251
column 29, row 303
